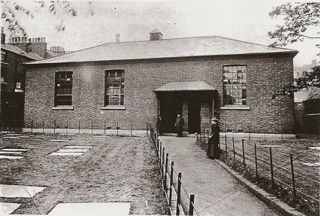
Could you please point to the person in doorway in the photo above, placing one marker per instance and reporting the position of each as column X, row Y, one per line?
column 159, row 126
column 179, row 125
column 214, row 139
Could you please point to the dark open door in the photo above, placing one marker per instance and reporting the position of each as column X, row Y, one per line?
column 194, row 115
column 170, row 105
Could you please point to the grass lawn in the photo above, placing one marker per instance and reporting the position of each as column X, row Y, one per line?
column 307, row 178
column 115, row 169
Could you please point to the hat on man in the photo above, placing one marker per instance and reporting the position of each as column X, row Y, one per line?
column 215, row 119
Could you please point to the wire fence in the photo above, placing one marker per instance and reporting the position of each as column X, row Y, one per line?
column 292, row 178
column 177, row 196
column 68, row 127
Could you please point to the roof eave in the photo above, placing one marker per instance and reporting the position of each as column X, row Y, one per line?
column 293, row 52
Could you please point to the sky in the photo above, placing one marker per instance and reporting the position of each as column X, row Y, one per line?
column 246, row 20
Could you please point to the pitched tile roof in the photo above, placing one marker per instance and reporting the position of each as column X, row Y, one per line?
column 185, row 86
column 17, row 50
column 166, row 48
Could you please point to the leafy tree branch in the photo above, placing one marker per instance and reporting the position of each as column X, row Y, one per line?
column 298, row 19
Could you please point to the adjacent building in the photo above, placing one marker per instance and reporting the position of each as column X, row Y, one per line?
column 138, row 81
column 14, row 54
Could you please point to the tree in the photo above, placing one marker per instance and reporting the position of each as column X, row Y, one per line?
column 307, row 80
column 299, row 20
column 11, row 10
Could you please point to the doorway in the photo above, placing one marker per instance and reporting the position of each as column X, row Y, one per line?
column 170, row 105
column 194, row 115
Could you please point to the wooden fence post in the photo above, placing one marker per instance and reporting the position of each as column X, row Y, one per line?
column 234, row 152
column 79, row 126
column 243, row 156
column 117, row 127
column 191, row 204
column 171, row 183
column 271, row 168
column 226, row 142
column 147, row 128
column 293, row 181
column 256, row 159
column 162, row 162
column 179, row 194
column 165, row 172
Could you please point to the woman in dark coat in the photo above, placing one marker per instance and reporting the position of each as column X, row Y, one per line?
column 214, row 139
column 179, row 125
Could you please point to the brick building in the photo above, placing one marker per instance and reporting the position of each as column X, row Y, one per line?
column 14, row 54
column 138, row 81
column 12, row 83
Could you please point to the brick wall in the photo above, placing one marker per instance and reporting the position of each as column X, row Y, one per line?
column 264, row 74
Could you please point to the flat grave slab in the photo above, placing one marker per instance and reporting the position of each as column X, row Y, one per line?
column 72, row 150
column 271, row 146
column 15, row 149
column 77, row 147
column 10, row 152
column 315, row 147
column 10, row 157
column 100, row 136
column 7, row 208
column 10, row 137
column 66, row 154
column 58, row 140
column 97, row 209
column 311, row 164
column 19, row 190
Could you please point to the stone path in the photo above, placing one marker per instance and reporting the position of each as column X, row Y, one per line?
column 216, row 191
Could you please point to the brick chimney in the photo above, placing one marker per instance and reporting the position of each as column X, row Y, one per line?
column 118, row 38
column 58, row 49
column 35, row 45
column 155, row 35
column 3, row 36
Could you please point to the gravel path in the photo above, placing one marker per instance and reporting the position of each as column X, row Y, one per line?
column 216, row 191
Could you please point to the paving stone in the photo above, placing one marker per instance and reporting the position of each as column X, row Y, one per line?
column 7, row 208
column 15, row 149
column 10, row 157
column 19, row 190
column 97, row 209
column 66, row 154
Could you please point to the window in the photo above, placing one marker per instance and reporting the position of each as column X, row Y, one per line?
column 114, row 88
column 3, row 56
column 234, row 85
column 63, row 89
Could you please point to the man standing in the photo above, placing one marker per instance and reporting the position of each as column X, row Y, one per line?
column 179, row 125
column 214, row 139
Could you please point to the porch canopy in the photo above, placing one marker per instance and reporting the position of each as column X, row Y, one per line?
column 185, row 86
